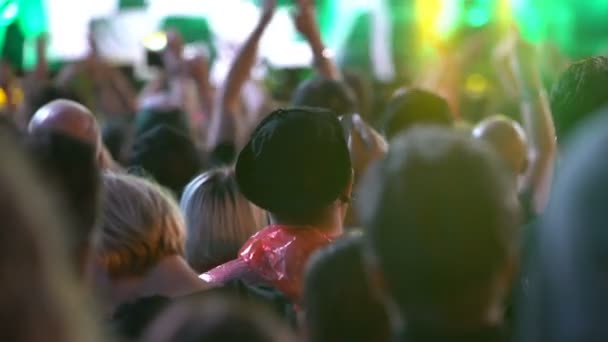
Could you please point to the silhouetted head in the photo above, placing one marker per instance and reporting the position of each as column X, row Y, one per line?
column 39, row 292
column 169, row 156
column 215, row 318
column 338, row 302
column 411, row 107
column 508, row 138
column 578, row 93
column 68, row 118
column 328, row 94
column 296, row 166
column 441, row 219
column 571, row 299
column 69, row 168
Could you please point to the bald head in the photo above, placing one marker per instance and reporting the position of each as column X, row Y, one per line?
column 69, row 118
column 508, row 139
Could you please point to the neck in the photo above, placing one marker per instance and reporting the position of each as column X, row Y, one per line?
column 329, row 226
column 170, row 277
column 168, row 273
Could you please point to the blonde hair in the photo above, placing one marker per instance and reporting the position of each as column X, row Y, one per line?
column 219, row 219
column 141, row 224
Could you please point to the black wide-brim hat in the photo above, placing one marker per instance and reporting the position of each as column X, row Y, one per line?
column 296, row 161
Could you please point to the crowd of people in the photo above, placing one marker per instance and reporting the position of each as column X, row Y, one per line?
column 187, row 213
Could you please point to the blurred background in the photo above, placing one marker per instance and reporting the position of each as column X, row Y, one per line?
column 577, row 27
column 391, row 41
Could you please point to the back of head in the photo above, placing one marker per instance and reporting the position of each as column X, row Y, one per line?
column 116, row 137
column 440, row 215
column 296, row 164
column 168, row 155
column 573, row 245
column 411, row 107
column 150, row 119
column 39, row 296
column 215, row 319
column 69, row 118
column 508, row 138
column 69, row 168
column 362, row 91
column 579, row 92
column 141, row 224
column 338, row 301
column 323, row 93
column 219, row 219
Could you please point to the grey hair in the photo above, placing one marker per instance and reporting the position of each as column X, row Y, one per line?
column 219, row 219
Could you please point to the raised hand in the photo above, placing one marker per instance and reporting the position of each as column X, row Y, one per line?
column 365, row 145
column 268, row 9
column 172, row 55
column 41, row 44
column 305, row 19
column 92, row 44
column 517, row 65
column 525, row 66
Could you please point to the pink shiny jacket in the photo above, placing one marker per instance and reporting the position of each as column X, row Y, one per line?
column 276, row 255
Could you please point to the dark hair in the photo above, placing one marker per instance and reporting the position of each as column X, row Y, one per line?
column 115, row 135
column 215, row 318
column 414, row 107
column 167, row 155
column 579, row 91
column 151, row 119
column 362, row 91
column 295, row 165
column 69, row 167
column 338, row 301
column 440, row 215
column 328, row 94
column 40, row 95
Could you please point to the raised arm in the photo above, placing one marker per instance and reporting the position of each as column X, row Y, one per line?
column 199, row 67
column 538, row 122
column 106, row 88
column 241, row 67
column 224, row 127
column 115, row 92
column 306, row 23
column 41, row 72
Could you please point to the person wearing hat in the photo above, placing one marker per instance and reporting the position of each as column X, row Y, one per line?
column 297, row 167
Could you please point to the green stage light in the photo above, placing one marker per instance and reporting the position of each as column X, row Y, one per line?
column 477, row 17
column 477, row 13
column 8, row 12
column 579, row 28
column 32, row 17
